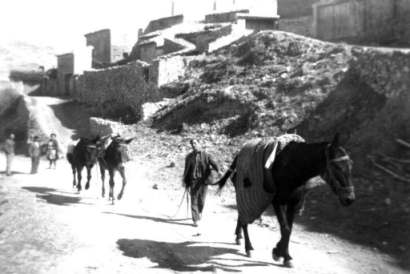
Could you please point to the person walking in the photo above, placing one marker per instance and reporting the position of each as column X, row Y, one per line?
column 52, row 151
column 35, row 152
column 8, row 148
column 196, row 178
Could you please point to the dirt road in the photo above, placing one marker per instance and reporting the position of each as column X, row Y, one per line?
column 45, row 227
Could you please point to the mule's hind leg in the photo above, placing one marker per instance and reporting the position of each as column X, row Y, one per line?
column 121, row 169
column 290, row 214
column 238, row 233
column 248, row 244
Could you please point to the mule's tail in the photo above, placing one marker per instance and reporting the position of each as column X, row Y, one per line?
column 70, row 157
column 221, row 183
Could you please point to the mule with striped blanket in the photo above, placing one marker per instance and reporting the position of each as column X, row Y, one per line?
column 276, row 172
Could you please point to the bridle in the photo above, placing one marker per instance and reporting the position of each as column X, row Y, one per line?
column 331, row 176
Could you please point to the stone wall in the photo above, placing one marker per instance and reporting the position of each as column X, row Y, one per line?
column 258, row 23
column 116, row 92
column 202, row 39
column 167, row 69
column 298, row 25
column 163, row 23
column 221, row 17
column 103, row 127
column 170, row 46
column 147, row 51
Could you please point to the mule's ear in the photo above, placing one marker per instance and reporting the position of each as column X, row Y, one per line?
column 336, row 140
column 127, row 141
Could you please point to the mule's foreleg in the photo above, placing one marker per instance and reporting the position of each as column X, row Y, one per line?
column 238, row 232
column 248, row 244
column 111, row 182
column 102, row 171
column 74, row 176
column 121, row 170
column 89, row 168
column 79, row 171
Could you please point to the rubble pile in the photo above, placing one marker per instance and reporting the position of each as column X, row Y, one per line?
column 261, row 85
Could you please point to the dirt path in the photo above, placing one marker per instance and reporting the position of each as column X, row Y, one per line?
column 46, row 228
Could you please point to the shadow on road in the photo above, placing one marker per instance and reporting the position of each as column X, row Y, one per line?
column 155, row 219
column 185, row 256
column 15, row 173
column 48, row 195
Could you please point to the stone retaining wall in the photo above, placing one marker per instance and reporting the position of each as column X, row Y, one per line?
column 118, row 91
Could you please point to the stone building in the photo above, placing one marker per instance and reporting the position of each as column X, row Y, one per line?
column 65, row 72
column 101, row 43
column 258, row 23
column 224, row 17
column 68, row 66
column 296, row 16
column 163, row 23
column 379, row 22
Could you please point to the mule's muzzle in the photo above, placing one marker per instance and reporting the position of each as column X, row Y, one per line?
column 347, row 200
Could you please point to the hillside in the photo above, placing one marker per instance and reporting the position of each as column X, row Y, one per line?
column 24, row 56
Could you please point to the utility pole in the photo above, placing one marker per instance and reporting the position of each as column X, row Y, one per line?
column 173, row 8
column 214, row 8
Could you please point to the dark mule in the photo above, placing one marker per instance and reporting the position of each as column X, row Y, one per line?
column 84, row 154
column 112, row 158
column 292, row 169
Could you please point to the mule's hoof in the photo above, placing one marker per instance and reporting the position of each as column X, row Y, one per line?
column 87, row 186
column 288, row 263
column 238, row 241
column 275, row 257
column 119, row 196
column 249, row 253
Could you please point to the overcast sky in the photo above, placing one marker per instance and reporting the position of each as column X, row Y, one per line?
column 62, row 23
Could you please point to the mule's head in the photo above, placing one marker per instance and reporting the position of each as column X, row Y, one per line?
column 119, row 141
column 91, row 151
column 337, row 172
column 101, row 144
column 119, row 145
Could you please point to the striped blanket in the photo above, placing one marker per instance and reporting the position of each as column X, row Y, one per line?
column 253, row 180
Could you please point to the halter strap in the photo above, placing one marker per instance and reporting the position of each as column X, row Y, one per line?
column 341, row 159
column 339, row 189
